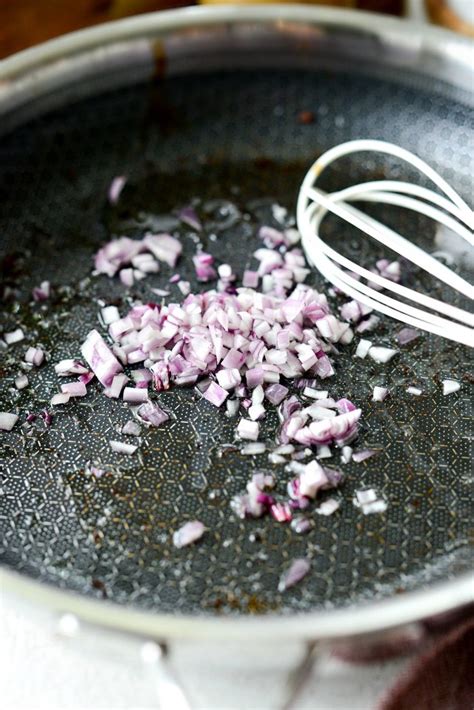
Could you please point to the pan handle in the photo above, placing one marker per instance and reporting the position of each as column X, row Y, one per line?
column 169, row 691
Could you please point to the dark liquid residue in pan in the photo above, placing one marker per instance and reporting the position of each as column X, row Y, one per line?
column 234, row 144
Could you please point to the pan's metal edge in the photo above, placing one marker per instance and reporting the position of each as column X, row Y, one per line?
column 412, row 37
column 373, row 618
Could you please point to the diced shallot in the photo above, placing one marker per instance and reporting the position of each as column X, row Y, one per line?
column 359, row 456
column 14, row 336
column 188, row 533
column 298, row 569
column 115, row 188
column 21, row 382
column 34, row 356
column 74, row 389
column 379, row 393
column 100, row 358
column 450, row 386
column 135, row 395
column 60, row 398
column 381, row 354
column 328, row 507
column 121, row 447
column 363, row 348
column 7, row 421
column 248, row 429
column 152, row 414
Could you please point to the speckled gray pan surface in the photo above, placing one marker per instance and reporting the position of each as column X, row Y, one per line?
column 232, row 144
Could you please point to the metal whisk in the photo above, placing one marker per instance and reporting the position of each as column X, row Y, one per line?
column 448, row 209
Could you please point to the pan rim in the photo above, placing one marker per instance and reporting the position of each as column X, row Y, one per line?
column 375, row 616
column 354, row 621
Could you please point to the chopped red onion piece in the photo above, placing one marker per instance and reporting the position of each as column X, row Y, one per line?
column 301, row 525
column 115, row 188
column 34, row 356
column 117, row 385
column 184, row 287
column 188, row 216
column 7, row 421
column 298, row 569
column 74, row 389
column 188, row 533
column 250, row 279
column 254, row 377
column 271, row 237
column 60, row 398
column 359, row 456
column 312, row 479
column 324, row 452
column 164, row 247
column 131, row 428
column 42, row 292
column 135, row 395
column 232, row 407
column 328, row 507
column 86, row 377
column 21, row 382
column 109, row 314
column 127, row 277
column 378, row 506
column 281, row 512
column 407, row 335
column 253, row 449
column 15, row 336
column 152, row 414
column 381, row 354
column 203, row 265
column 414, row 390
column 318, row 413
column 363, row 348
column 47, row 417
column 450, row 386
column 379, row 393
column 70, row 367
column 256, row 411
column 368, row 324
column 346, row 454
column 94, row 470
column 365, row 496
column 276, row 393
column 369, row 502
column 353, row 311
column 315, row 394
column 248, row 429
column 228, row 379
column 100, row 358
column 115, row 254
column 345, row 405
column 215, row 394
column 121, row 448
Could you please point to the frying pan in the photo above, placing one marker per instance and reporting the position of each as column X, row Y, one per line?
column 202, row 105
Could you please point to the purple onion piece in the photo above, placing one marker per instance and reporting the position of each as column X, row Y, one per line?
column 152, row 414
column 188, row 533
column 298, row 569
column 359, row 456
column 188, row 216
column 276, row 393
column 407, row 335
column 7, row 421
